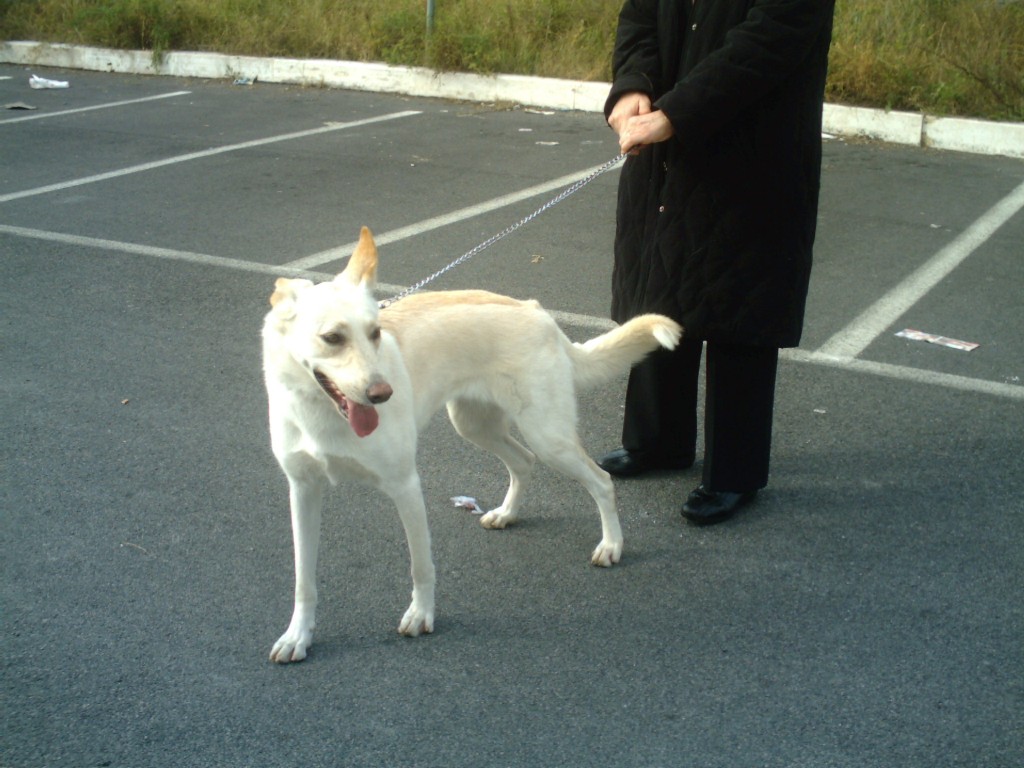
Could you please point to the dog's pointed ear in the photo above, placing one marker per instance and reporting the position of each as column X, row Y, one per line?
column 362, row 265
column 285, row 290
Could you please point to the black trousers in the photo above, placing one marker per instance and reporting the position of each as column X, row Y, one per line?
column 661, row 410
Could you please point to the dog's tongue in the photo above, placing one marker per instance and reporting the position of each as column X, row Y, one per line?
column 363, row 418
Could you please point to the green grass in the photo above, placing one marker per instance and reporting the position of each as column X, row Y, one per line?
column 942, row 57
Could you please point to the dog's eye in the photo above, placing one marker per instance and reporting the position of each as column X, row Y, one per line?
column 332, row 338
column 375, row 335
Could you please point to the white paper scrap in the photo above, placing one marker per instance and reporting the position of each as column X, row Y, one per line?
column 41, row 82
column 468, row 503
column 931, row 338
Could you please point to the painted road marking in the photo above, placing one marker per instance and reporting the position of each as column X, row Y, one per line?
column 128, row 102
column 344, row 251
column 204, row 153
column 873, row 322
column 915, row 375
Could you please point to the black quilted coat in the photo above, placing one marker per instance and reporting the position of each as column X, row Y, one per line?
column 715, row 226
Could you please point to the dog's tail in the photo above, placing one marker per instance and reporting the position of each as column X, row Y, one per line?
column 612, row 353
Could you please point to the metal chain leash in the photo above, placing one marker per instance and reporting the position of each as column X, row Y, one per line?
column 505, row 232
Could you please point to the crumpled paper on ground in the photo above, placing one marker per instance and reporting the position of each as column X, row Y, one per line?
column 468, row 503
column 41, row 82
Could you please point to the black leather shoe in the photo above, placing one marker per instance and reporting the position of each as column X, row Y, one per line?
column 625, row 463
column 705, row 507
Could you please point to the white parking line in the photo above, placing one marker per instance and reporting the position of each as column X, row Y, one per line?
column 136, row 249
column 906, row 373
column 44, row 115
column 344, row 251
column 598, row 324
column 874, row 321
column 205, row 153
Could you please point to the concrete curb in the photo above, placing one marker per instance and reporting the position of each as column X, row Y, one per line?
column 958, row 134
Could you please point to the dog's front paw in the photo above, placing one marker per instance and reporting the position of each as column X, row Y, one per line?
column 607, row 553
column 292, row 645
column 417, row 621
column 498, row 518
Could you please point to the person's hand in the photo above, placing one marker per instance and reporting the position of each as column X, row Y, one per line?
column 644, row 129
column 630, row 104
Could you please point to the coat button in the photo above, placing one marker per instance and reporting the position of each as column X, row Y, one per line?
column 694, row 28
column 661, row 209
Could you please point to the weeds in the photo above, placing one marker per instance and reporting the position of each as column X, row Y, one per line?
column 944, row 57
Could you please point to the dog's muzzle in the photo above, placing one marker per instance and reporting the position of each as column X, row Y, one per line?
column 362, row 418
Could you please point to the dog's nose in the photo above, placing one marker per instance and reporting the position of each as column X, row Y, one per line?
column 379, row 392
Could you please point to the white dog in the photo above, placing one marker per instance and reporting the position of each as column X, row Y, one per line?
column 350, row 387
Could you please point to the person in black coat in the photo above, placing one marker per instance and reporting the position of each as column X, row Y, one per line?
column 718, row 104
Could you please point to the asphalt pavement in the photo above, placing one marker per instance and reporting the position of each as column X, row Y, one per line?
column 865, row 611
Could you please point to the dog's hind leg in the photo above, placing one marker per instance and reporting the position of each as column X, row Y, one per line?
column 486, row 425
column 555, row 442
column 306, row 497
